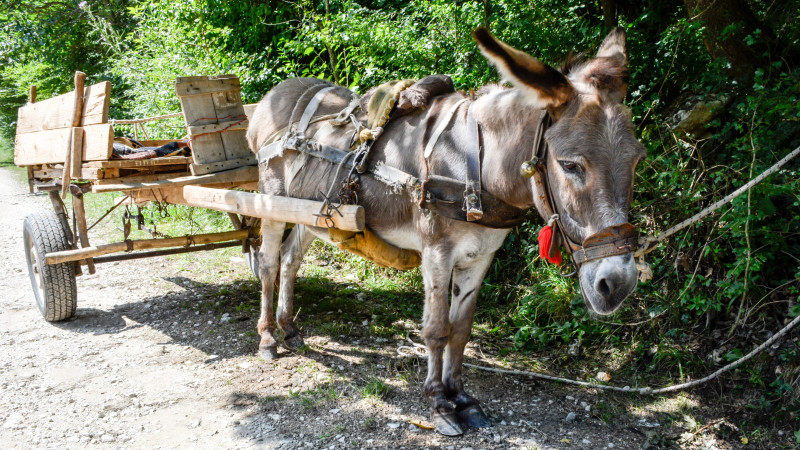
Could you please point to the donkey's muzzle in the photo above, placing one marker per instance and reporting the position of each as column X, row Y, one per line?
column 612, row 241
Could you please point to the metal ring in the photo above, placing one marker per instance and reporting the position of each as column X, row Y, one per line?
column 571, row 274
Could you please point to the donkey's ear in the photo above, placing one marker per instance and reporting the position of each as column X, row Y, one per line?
column 606, row 76
column 543, row 85
column 615, row 43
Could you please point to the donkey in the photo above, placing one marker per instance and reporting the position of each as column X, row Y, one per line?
column 591, row 158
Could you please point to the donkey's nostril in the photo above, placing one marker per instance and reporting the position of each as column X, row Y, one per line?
column 603, row 288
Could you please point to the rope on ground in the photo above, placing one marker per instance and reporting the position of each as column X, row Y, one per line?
column 144, row 119
column 649, row 243
column 419, row 350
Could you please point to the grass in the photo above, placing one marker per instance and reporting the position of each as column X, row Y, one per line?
column 6, row 153
column 375, row 389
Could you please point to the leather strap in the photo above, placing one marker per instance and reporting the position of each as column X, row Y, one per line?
column 440, row 129
column 615, row 240
column 472, row 193
column 311, row 109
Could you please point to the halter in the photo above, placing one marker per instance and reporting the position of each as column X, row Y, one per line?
column 610, row 241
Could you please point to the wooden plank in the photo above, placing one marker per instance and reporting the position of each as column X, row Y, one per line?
column 190, row 86
column 42, row 147
column 51, row 114
column 202, row 169
column 241, row 175
column 142, row 178
column 98, row 141
column 75, row 153
column 144, row 244
column 249, row 110
column 96, row 101
column 160, row 142
column 199, row 110
column 227, row 126
column 132, row 163
column 229, row 104
column 57, row 112
column 283, row 209
column 86, row 173
column 72, row 160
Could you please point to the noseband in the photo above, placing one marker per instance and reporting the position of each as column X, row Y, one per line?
column 610, row 241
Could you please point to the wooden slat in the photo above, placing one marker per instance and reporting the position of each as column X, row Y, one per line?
column 97, row 142
column 201, row 169
column 160, row 142
column 190, row 86
column 42, row 147
column 96, row 101
column 240, row 175
column 57, row 112
column 104, row 249
column 228, row 126
column 132, row 163
column 75, row 153
column 249, row 110
column 229, row 104
column 199, row 110
column 86, row 173
column 143, row 178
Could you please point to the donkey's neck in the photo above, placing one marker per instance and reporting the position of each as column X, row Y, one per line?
column 508, row 126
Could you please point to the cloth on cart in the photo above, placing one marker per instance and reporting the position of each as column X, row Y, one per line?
column 123, row 151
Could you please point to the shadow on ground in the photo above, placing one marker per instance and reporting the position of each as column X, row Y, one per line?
column 349, row 387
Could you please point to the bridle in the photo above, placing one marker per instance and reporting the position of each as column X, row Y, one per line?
column 610, row 241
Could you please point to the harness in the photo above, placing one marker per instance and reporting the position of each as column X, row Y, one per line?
column 459, row 200
column 610, row 241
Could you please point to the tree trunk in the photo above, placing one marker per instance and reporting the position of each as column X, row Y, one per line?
column 728, row 24
column 609, row 8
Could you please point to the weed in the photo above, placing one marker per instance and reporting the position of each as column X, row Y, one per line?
column 375, row 389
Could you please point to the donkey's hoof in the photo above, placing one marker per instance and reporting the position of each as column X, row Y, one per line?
column 446, row 423
column 295, row 342
column 474, row 416
column 268, row 353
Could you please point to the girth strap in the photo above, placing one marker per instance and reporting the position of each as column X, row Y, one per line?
column 472, row 193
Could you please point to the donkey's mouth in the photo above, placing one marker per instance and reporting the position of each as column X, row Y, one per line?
column 607, row 282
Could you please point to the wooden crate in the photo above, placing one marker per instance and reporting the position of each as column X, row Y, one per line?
column 215, row 122
column 45, row 132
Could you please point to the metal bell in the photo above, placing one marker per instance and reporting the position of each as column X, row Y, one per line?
column 527, row 169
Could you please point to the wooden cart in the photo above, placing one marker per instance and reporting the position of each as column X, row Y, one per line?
column 65, row 143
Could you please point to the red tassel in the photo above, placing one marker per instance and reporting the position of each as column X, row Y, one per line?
column 545, row 238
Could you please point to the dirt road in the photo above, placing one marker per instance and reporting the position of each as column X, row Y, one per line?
column 162, row 355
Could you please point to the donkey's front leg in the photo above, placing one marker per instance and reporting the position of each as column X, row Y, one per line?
column 292, row 251
column 268, row 265
column 436, row 269
column 467, row 280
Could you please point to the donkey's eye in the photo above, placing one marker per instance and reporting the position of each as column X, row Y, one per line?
column 569, row 166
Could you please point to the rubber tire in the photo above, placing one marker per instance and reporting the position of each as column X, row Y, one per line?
column 53, row 285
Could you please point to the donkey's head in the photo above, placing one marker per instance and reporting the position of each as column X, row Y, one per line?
column 592, row 150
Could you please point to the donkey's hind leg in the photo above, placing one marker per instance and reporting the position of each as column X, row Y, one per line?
column 268, row 265
column 292, row 251
column 467, row 280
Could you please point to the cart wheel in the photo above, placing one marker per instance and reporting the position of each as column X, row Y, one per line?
column 53, row 284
